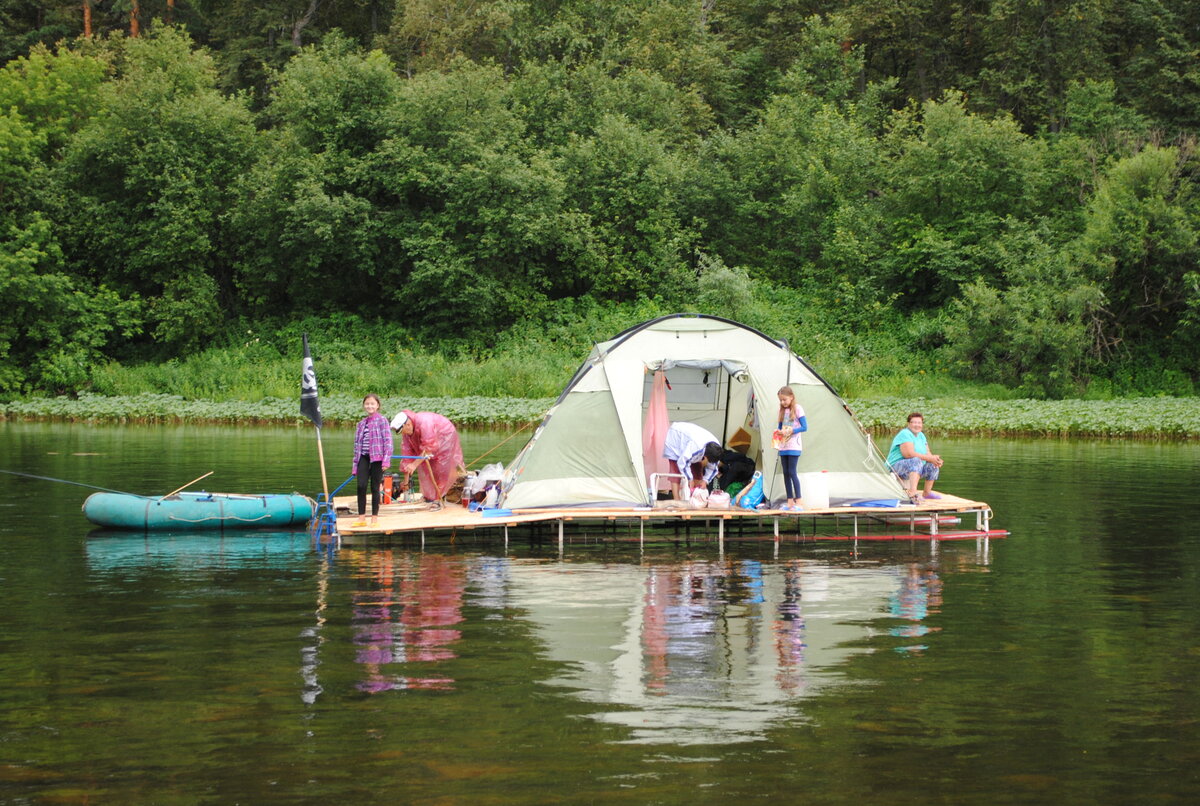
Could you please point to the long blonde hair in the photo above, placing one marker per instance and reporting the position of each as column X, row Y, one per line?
column 787, row 390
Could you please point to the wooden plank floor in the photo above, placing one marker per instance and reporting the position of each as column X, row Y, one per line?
column 404, row 518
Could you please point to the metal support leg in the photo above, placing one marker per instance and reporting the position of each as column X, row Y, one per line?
column 561, row 523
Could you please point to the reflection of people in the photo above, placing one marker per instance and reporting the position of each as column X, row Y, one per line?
column 692, row 452
column 910, row 459
column 435, row 438
column 791, row 423
column 919, row 594
column 372, row 453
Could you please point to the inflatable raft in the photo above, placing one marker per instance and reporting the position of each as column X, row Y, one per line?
column 185, row 511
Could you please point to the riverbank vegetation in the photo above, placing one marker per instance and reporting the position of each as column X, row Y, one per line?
column 1140, row 418
column 999, row 200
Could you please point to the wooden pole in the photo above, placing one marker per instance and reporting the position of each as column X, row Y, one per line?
column 321, row 459
column 189, row 484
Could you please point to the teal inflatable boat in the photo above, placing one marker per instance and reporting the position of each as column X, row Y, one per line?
column 185, row 511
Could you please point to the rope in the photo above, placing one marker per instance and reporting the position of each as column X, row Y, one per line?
column 65, row 481
column 498, row 444
column 218, row 518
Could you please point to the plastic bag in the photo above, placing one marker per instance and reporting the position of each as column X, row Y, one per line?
column 753, row 494
column 699, row 498
column 718, row 499
column 487, row 475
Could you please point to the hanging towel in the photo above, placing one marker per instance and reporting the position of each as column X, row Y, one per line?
column 654, row 431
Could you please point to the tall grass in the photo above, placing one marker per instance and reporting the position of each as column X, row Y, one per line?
column 881, row 354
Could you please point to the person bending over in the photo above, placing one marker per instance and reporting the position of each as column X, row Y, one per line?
column 692, row 452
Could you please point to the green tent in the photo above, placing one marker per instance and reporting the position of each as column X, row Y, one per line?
column 724, row 376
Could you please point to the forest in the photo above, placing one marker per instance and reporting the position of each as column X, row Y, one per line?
column 1000, row 193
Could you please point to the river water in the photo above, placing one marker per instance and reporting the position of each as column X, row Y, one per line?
column 1059, row 665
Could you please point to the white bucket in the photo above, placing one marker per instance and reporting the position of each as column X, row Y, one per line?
column 814, row 489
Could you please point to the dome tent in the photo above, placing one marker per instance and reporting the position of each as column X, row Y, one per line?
column 722, row 375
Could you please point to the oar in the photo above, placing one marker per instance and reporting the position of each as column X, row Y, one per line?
column 189, row 484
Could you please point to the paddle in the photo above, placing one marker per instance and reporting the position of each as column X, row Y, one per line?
column 189, row 484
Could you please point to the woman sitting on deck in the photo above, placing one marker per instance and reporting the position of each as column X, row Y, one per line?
column 910, row 459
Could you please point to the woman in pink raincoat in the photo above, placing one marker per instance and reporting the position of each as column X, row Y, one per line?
column 431, row 435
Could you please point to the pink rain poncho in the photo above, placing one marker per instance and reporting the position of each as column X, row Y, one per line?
column 435, row 435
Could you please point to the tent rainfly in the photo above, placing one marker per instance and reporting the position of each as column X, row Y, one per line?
column 724, row 376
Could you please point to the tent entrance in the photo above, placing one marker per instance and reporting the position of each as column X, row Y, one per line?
column 714, row 394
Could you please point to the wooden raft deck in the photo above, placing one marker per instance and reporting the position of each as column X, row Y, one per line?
column 938, row 519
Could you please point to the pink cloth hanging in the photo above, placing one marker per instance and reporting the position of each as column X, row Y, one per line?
column 654, row 431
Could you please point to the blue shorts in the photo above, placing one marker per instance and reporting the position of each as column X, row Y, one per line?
column 928, row 470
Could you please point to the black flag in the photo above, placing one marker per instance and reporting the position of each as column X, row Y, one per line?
column 309, row 406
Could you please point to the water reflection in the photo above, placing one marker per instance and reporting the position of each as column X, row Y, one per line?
column 671, row 651
column 404, row 612
column 919, row 594
column 711, row 652
column 111, row 551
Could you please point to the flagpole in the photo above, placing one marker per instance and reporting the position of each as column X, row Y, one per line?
column 310, row 408
column 321, row 459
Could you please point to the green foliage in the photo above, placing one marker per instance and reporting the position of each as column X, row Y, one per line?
column 19, row 166
column 52, row 331
column 147, row 182
column 336, row 410
column 1155, row 418
column 957, row 183
column 1139, row 246
column 1031, row 335
column 1158, row 417
column 724, row 291
column 496, row 186
column 55, row 91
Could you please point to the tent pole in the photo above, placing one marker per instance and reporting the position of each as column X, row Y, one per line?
column 725, row 420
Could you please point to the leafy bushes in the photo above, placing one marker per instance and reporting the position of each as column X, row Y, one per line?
column 476, row 227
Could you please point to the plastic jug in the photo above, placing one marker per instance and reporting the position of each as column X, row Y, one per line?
column 814, row 489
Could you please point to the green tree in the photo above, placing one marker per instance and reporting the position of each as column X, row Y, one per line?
column 53, row 328
column 1032, row 50
column 1155, row 47
column 309, row 232
column 629, row 188
column 57, row 91
column 956, row 183
column 1031, row 329
column 20, row 146
column 1140, row 247
column 148, row 182
column 25, row 24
